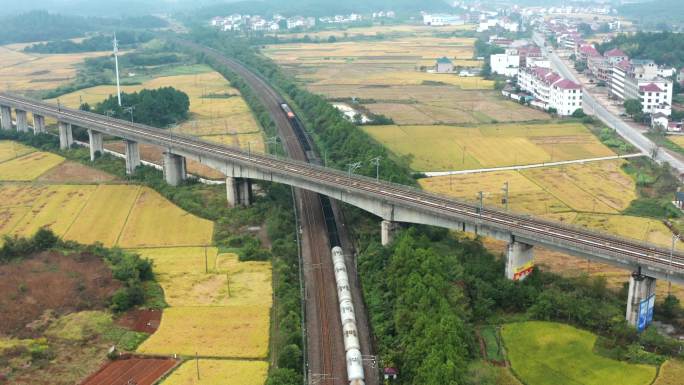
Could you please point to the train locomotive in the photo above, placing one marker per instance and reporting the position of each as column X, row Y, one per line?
column 349, row 329
column 288, row 111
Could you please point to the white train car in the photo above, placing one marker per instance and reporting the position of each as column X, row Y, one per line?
column 349, row 330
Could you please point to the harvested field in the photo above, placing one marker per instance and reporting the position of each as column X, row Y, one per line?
column 29, row 167
column 51, row 280
column 72, row 172
column 599, row 187
column 136, row 217
column 444, row 148
column 202, row 330
column 55, row 208
column 671, row 373
column 25, row 72
column 403, row 29
column 424, row 104
column 389, row 77
column 10, row 149
column 215, row 106
column 247, row 141
column 187, row 281
column 154, row 221
column 219, row 372
column 141, row 320
column 140, row 371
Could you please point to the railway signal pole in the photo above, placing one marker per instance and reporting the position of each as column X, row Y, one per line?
column 353, row 167
column 480, row 198
column 505, row 197
column 376, row 162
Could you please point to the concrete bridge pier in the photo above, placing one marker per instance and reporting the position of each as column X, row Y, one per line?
column 38, row 124
column 6, row 117
column 66, row 138
column 175, row 171
column 22, row 121
column 641, row 288
column 519, row 260
column 132, row 156
column 238, row 191
column 96, row 144
column 245, row 192
column 387, row 231
column 232, row 191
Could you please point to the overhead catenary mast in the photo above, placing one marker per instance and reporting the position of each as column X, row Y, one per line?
column 116, row 64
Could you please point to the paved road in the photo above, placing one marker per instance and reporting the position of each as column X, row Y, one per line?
column 632, row 135
column 527, row 166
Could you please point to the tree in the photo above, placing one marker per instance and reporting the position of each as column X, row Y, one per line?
column 281, row 376
column 290, row 357
column 633, row 107
column 579, row 113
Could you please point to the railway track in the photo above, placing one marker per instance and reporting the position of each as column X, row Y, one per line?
column 326, row 356
column 586, row 240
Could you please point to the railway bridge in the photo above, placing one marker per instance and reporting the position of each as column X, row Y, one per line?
column 393, row 203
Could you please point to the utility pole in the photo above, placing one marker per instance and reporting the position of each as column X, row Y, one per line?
column 130, row 109
column 505, row 197
column 376, row 162
column 480, row 198
column 116, row 65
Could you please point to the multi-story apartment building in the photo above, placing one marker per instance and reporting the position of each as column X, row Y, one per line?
column 642, row 80
column 550, row 90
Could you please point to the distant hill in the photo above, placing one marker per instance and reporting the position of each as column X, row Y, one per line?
column 42, row 25
column 652, row 13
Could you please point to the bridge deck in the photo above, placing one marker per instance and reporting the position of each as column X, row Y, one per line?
column 574, row 240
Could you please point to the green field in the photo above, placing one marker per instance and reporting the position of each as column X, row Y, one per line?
column 550, row 353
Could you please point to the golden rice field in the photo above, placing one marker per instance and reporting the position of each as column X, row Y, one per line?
column 677, row 139
column 443, row 148
column 237, row 331
column 29, row 167
column 10, row 150
column 413, row 30
column 135, row 215
column 154, row 221
column 215, row 106
column 590, row 195
column 219, row 372
column 211, row 291
column 107, row 201
column 198, row 276
column 401, row 49
column 20, row 71
column 671, row 373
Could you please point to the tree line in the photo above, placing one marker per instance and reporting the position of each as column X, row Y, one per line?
column 665, row 48
column 427, row 291
column 91, row 44
column 43, row 26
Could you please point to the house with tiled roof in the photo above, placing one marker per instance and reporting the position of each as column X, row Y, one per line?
column 551, row 90
column 444, row 65
column 642, row 80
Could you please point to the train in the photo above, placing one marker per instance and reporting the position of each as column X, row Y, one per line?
column 349, row 330
column 287, row 110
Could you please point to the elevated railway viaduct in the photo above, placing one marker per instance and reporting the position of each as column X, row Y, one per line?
column 392, row 203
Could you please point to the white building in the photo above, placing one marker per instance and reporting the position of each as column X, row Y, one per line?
column 442, row 19
column 642, row 80
column 550, row 90
column 506, row 64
